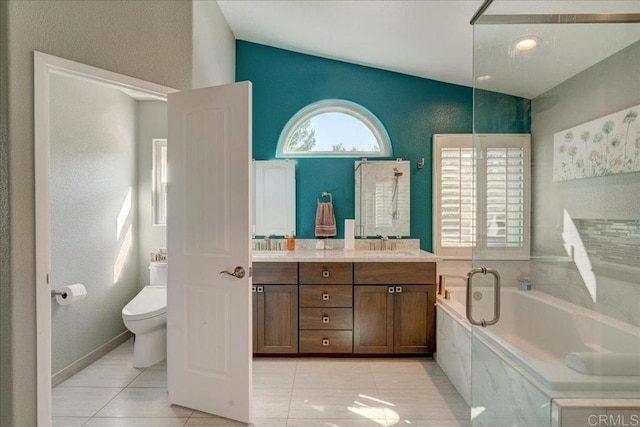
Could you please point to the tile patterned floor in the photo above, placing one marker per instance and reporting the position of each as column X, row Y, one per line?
column 287, row 393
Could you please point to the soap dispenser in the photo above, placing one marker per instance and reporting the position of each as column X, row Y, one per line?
column 291, row 242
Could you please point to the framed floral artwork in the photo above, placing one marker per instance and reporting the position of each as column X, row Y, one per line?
column 605, row 146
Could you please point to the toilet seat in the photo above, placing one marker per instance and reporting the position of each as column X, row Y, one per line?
column 151, row 301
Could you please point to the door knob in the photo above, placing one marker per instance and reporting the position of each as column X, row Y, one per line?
column 238, row 272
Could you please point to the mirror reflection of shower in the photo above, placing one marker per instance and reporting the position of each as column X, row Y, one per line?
column 394, row 196
column 382, row 197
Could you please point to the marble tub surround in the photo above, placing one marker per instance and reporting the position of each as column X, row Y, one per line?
column 517, row 383
column 454, row 350
column 507, row 396
column 586, row 412
column 528, row 334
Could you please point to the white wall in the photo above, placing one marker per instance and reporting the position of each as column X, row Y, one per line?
column 152, row 123
column 143, row 39
column 6, row 376
column 149, row 40
column 94, row 230
column 214, row 46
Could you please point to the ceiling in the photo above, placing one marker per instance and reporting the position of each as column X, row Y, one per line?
column 433, row 39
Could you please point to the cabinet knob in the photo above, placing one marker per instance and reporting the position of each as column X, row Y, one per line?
column 325, row 296
column 391, row 289
column 325, row 273
column 260, row 289
column 398, row 289
column 325, row 319
column 253, row 289
column 325, row 342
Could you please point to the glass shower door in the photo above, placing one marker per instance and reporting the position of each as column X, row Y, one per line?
column 557, row 172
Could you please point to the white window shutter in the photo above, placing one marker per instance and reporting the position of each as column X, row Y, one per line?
column 485, row 215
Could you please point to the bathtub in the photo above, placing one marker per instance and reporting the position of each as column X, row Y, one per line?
column 535, row 333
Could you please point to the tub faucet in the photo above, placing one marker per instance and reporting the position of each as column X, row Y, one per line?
column 442, row 288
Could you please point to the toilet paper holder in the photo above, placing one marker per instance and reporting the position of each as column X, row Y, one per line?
column 65, row 295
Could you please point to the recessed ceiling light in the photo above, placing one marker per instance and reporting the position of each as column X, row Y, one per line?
column 484, row 78
column 527, row 43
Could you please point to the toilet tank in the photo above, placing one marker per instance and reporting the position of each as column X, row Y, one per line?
column 158, row 274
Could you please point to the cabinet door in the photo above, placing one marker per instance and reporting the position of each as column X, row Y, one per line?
column 278, row 319
column 274, row 197
column 373, row 319
column 254, row 314
column 414, row 319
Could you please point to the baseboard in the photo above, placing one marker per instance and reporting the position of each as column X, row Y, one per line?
column 77, row 366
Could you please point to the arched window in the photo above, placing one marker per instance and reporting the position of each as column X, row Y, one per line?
column 334, row 128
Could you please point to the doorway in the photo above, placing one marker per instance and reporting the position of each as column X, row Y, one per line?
column 208, row 127
column 47, row 68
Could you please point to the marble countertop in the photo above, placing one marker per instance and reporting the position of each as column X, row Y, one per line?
column 340, row 255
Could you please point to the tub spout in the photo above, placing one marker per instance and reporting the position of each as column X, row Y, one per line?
column 442, row 288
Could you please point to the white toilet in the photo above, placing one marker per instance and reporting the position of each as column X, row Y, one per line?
column 146, row 317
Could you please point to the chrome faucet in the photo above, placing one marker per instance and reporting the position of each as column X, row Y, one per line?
column 267, row 242
column 383, row 242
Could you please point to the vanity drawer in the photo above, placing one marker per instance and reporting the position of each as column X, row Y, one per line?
column 326, row 342
column 315, row 273
column 326, row 318
column 391, row 273
column 326, row 295
column 275, row 273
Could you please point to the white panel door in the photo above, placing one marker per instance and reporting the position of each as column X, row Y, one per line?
column 208, row 232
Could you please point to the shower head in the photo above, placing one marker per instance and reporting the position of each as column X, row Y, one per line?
column 396, row 172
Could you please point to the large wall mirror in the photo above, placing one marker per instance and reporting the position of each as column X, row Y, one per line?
column 382, row 198
column 274, row 197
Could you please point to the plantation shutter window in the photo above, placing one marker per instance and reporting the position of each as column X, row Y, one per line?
column 457, row 198
column 484, row 214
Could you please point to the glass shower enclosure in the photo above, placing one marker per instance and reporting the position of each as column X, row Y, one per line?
column 557, row 214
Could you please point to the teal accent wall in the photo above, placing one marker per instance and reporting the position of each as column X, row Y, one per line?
column 411, row 108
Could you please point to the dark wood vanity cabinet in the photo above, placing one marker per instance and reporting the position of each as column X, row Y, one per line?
column 339, row 307
column 394, row 308
column 275, row 308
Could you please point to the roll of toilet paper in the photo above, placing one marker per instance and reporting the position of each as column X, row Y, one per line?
column 71, row 294
column 349, row 234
